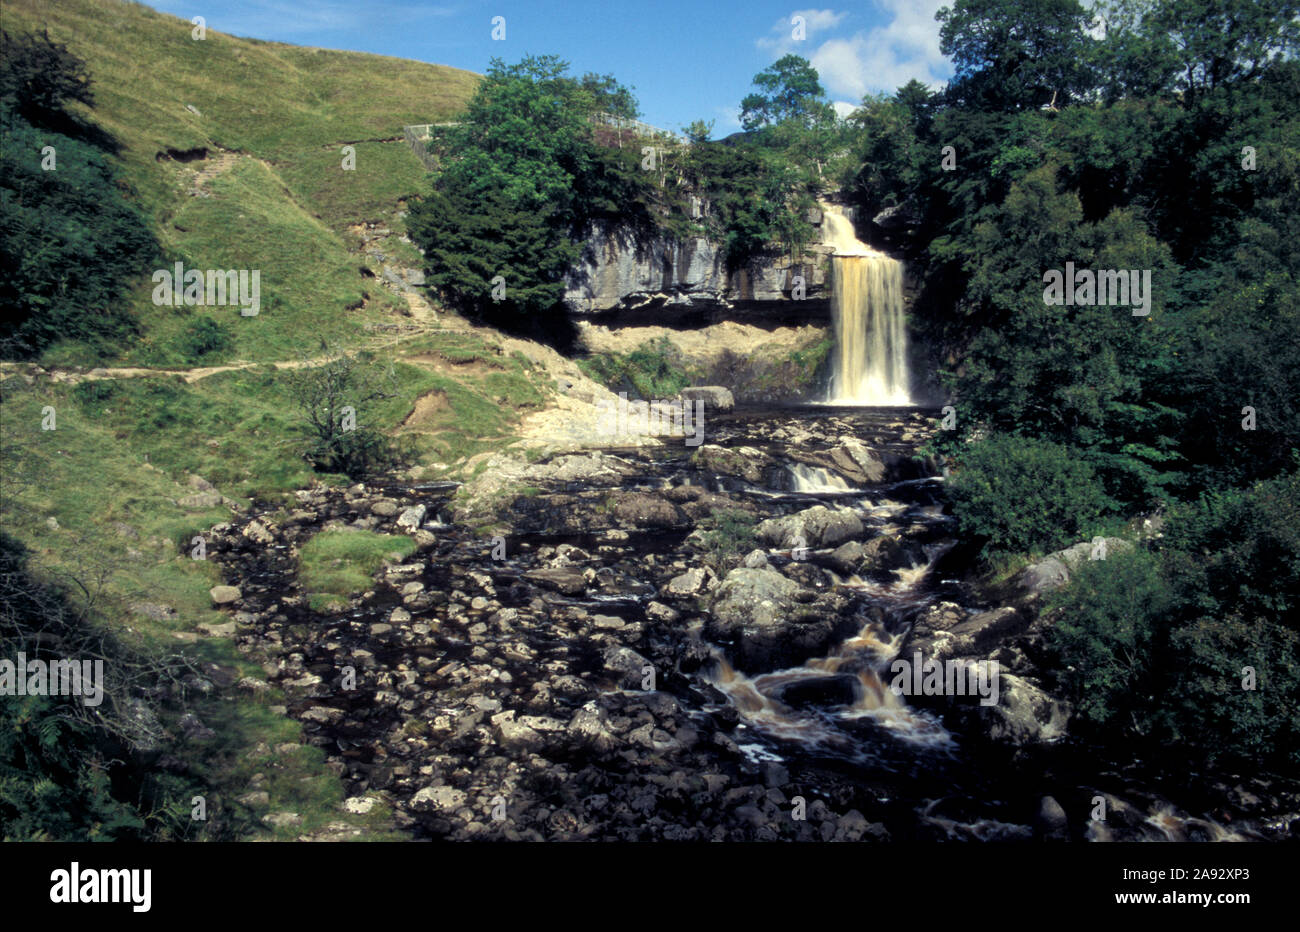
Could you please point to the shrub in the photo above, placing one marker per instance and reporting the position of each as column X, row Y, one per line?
column 71, row 772
column 204, row 336
column 1158, row 643
column 341, row 440
column 650, row 372
column 1108, row 633
column 731, row 536
column 70, row 240
column 1022, row 495
column 1234, row 558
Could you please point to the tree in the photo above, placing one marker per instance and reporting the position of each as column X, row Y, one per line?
column 699, row 131
column 1014, row 54
column 523, row 182
column 331, row 398
column 1081, row 375
column 791, row 92
column 1218, row 43
column 39, row 77
column 609, row 96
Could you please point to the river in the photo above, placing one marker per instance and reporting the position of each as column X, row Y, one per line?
column 609, row 652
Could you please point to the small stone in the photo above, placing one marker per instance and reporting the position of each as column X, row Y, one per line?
column 658, row 611
column 225, row 630
column 224, row 595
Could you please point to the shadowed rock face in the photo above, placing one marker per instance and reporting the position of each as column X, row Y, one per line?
column 619, row 273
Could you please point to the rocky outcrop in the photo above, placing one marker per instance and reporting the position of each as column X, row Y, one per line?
column 1053, row 571
column 618, row 271
column 818, row 526
column 715, row 397
column 771, row 621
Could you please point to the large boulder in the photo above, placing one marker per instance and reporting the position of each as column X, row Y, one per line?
column 569, row 580
column 1046, row 575
column 770, row 621
column 412, row 518
column 757, row 597
column 881, row 554
column 200, row 501
column 1053, row 571
column 980, row 633
column 818, row 526
column 1024, row 714
column 439, row 799
column 224, row 595
column 857, row 462
column 745, row 463
column 642, row 509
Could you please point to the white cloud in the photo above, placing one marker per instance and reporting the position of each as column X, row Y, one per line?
column 782, row 40
column 882, row 58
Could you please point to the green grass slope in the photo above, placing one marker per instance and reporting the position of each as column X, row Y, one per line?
column 272, row 193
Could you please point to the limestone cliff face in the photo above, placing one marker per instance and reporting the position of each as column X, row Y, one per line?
column 619, row 276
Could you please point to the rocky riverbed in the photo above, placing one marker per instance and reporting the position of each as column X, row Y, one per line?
column 673, row 643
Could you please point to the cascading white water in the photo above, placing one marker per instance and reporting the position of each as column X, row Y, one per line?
column 814, row 479
column 870, row 363
column 866, row 656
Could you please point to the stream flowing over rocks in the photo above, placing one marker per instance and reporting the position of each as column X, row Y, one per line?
column 674, row 643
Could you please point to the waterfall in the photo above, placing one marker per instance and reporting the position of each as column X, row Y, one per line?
column 815, row 479
column 870, row 364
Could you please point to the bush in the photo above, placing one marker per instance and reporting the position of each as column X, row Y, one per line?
column 70, row 772
column 204, row 337
column 1108, row 633
column 1235, row 561
column 1158, row 643
column 1021, row 495
column 70, row 241
column 730, row 538
column 651, row 372
column 340, row 438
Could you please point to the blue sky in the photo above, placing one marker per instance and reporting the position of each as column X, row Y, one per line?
column 685, row 59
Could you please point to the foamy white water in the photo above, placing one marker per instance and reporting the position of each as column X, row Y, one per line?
column 870, row 363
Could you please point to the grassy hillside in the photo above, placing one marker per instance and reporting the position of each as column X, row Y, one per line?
column 271, row 192
column 106, row 491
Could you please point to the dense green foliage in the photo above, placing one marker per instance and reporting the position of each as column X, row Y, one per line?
column 68, row 771
column 1022, row 495
column 729, row 538
column 70, row 241
column 1159, row 643
column 1119, row 152
column 530, row 170
column 522, row 177
column 1167, row 142
column 791, row 92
